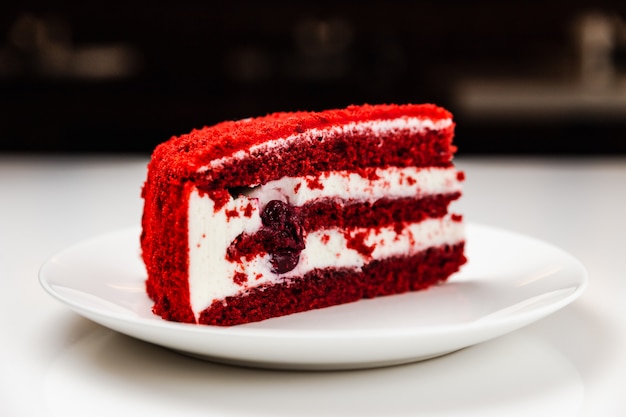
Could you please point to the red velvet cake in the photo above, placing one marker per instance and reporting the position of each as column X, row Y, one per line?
column 263, row 217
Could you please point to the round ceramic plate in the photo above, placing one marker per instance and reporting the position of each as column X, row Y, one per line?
column 510, row 281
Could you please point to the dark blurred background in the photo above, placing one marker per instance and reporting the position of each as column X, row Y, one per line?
column 521, row 77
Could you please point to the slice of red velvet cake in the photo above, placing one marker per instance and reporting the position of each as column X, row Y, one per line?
column 269, row 216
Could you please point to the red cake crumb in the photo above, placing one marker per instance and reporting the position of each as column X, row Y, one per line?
column 314, row 183
column 231, row 213
column 369, row 174
column 240, row 278
column 220, row 197
column 356, row 241
column 248, row 210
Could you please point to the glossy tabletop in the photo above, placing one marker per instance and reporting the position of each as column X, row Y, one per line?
column 54, row 362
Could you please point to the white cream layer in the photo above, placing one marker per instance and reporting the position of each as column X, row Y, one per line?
column 391, row 182
column 212, row 231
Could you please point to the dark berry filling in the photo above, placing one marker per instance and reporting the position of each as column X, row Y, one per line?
column 281, row 236
column 282, row 231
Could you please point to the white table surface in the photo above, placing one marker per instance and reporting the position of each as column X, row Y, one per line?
column 55, row 363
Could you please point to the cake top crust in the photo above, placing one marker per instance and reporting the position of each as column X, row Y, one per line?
column 183, row 155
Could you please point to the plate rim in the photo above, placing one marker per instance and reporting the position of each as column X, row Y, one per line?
column 410, row 332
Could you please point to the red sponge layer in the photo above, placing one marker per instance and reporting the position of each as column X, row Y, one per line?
column 328, row 287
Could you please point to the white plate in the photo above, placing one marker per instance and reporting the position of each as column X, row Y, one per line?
column 510, row 281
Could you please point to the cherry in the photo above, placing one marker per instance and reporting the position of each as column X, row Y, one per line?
column 283, row 236
column 276, row 213
column 284, row 261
